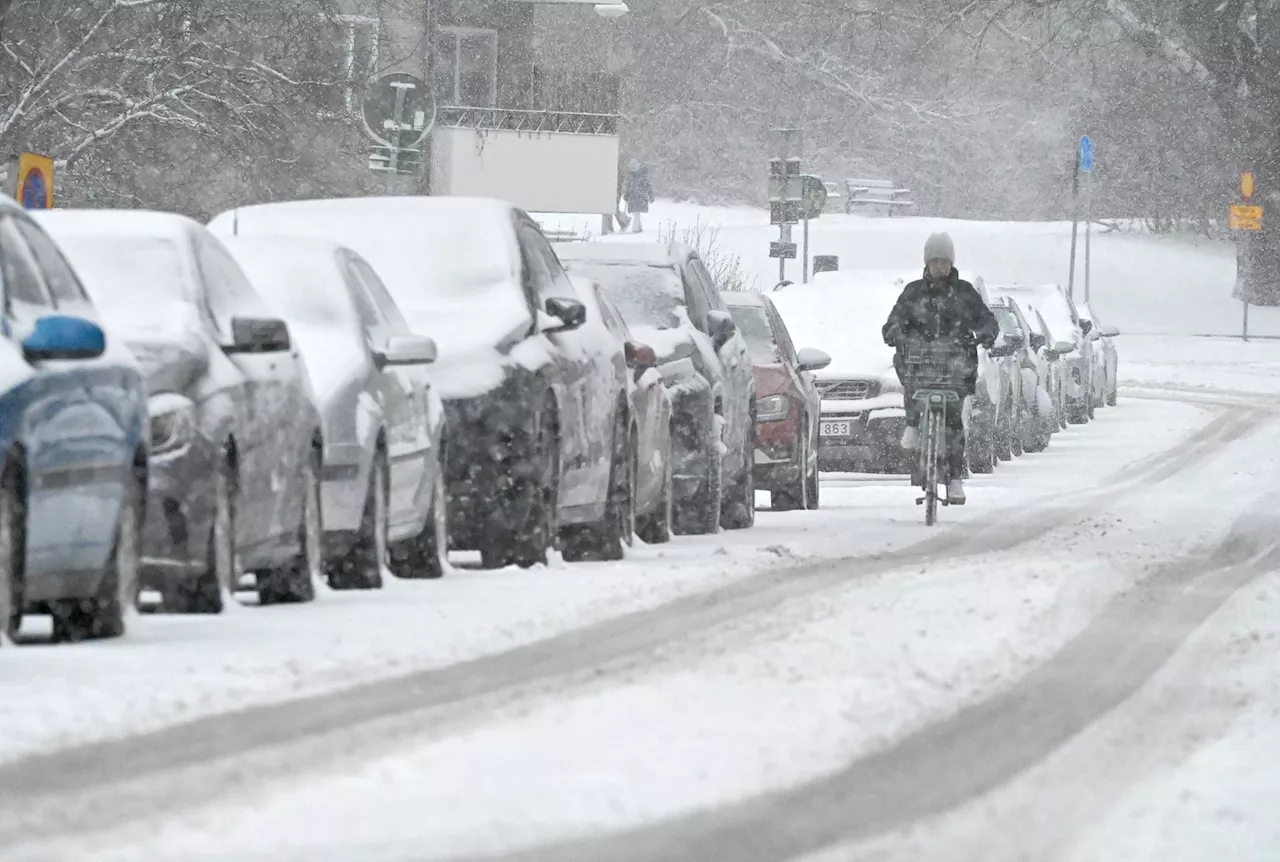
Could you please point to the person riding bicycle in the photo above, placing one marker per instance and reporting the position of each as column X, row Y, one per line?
column 941, row 306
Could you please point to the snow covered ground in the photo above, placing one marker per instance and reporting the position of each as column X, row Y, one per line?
column 854, row 686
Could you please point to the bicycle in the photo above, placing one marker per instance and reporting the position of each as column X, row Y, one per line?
column 936, row 373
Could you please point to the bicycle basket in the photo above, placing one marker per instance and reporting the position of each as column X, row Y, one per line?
column 935, row 365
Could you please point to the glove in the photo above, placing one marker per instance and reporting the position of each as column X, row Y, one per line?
column 988, row 342
column 892, row 336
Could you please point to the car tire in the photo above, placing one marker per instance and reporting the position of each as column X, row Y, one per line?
column 212, row 589
column 739, row 510
column 655, row 527
column 700, row 515
column 13, row 524
column 813, row 478
column 604, row 540
column 1003, row 438
column 104, row 615
column 1078, row 411
column 1111, row 397
column 361, row 567
column 425, row 557
column 295, row 582
column 796, row 495
column 531, row 543
column 981, row 449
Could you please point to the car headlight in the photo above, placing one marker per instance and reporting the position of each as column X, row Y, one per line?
column 173, row 422
column 772, row 409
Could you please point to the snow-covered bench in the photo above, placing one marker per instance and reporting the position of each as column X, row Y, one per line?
column 875, row 193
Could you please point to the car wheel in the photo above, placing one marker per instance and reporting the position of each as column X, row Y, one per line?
column 796, row 495
column 813, row 478
column 212, row 589
column 981, row 448
column 739, row 511
column 105, row 615
column 295, row 582
column 1111, row 397
column 1004, row 435
column 12, row 552
column 604, row 539
column 700, row 515
column 655, row 527
column 361, row 567
column 528, row 543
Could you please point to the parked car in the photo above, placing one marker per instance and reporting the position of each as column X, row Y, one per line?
column 1106, row 364
column 1038, row 412
column 672, row 303
column 650, row 409
column 531, row 404
column 1053, row 350
column 787, row 403
column 73, row 423
column 1060, row 313
column 236, row 444
column 993, row 413
column 382, row 424
column 862, row 415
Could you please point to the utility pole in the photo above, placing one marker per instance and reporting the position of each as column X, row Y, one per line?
column 786, row 191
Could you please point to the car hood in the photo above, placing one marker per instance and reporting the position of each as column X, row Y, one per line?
column 470, row 366
column 169, row 362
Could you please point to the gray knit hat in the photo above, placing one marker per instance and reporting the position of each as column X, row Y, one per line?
column 939, row 247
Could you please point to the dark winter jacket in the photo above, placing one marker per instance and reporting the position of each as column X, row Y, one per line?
column 951, row 310
column 638, row 190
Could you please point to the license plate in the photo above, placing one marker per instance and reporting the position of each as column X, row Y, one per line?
column 841, row 428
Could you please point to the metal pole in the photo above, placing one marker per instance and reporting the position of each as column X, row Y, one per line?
column 1075, row 220
column 429, row 25
column 1088, row 230
column 394, row 163
column 804, row 272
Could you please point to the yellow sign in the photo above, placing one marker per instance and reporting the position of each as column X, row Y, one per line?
column 1246, row 217
column 31, row 180
column 1246, row 185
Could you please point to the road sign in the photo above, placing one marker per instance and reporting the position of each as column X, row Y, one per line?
column 1086, row 154
column 784, row 250
column 417, row 111
column 1246, row 185
column 1245, row 217
column 31, row 180
column 813, row 196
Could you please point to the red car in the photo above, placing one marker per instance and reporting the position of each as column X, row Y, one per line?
column 787, row 403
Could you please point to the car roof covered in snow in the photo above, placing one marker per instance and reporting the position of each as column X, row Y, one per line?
column 650, row 253
column 115, row 222
column 743, row 299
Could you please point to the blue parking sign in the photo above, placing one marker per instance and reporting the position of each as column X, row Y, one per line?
column 1086, row 154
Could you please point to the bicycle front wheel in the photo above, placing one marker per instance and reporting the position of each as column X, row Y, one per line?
column 931, row 447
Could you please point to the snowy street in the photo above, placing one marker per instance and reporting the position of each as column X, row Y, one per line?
column 1076, row 665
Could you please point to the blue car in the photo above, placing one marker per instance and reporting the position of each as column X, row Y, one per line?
column 73, row 427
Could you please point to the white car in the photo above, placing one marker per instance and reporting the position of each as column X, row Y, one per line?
column 1106, row 366
column 1038, row 417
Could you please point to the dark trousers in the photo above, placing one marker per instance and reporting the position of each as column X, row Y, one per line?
column 954, row 422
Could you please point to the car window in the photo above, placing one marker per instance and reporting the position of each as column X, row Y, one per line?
column 753, row 323
column 60, row 278
column 26, row 296
column 696, row 298
column 782, row 336
column 548, row 276
column 228, row 291
column 612, row 319
column 387, row 309
column 709, row 286
column 371, row 319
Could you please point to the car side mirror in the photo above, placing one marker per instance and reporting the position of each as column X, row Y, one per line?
column 811, row 359
column 1086, row 326
column 571, row 312
column 406, row 350
column 720, row 327
column 640, row 357
column 1062, row 348
column 1109, row 331
column 1037, row 341
column 62, row 336
column 258, row 335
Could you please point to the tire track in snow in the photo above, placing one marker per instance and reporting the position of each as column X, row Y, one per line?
column 981, row 747
column 100, row 784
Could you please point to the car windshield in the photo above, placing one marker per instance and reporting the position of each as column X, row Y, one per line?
column 644, row 294
column 753, row 323
column 137, row 282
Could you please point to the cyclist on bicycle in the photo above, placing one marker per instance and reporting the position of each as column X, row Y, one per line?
column 941, row 306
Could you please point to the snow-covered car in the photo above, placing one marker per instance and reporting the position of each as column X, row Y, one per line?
column 994, row 412
column 672, row 303
column 861, row 417
column 1106, row 362
column 1053, row 350
column 529, row 401
column 1060, row 313
column 650, row 413
column 1038, row 411
column 787, row 403
column 73, row 426
column 236, row 444
column 383, row 424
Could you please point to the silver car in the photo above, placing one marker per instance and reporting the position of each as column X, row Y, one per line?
column 1106, row 364
column 384, row 493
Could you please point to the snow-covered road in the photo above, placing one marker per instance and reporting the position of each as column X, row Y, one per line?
column 1076, row 665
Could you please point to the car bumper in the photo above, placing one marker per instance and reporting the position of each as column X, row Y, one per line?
column 180, row 510
column 871, row 442
column 1075, row 379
